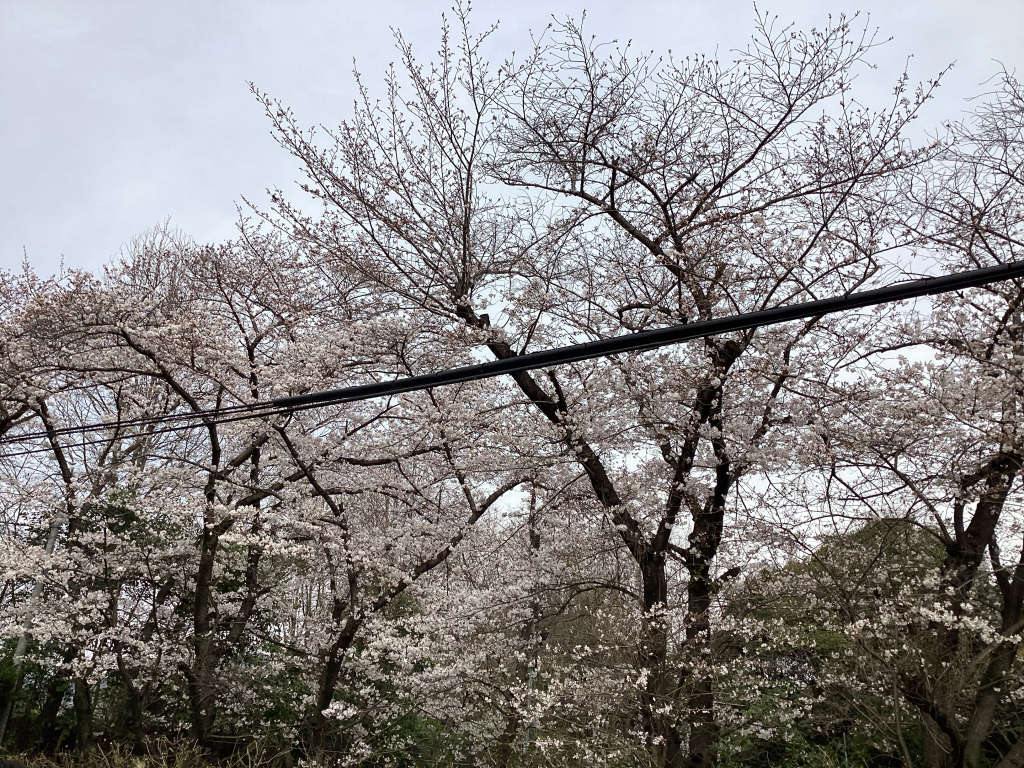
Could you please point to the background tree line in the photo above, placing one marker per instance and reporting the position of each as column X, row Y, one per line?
column 791, row 545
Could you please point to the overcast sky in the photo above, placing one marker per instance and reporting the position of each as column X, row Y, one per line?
column 116, row 115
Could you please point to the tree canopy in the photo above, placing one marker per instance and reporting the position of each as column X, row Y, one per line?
column 789, row 545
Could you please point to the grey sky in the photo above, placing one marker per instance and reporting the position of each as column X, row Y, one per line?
column 117, row 114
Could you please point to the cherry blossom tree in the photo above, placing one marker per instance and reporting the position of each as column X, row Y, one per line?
column 917, row 439
column 682, row 557
column 581, row 194
column 177, row 534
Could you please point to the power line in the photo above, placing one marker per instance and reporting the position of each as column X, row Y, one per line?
column 638, row 341
column 659, row 337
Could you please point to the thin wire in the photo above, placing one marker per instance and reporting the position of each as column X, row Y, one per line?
column 638, row 341
column 137, row 421
column 275, row 411
column 137, row 435
column 206, row 418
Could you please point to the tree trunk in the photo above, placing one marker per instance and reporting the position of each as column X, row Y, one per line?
column 663, row 739
column 933, row 743
column 133, row 706
column 83, row 715
column 51, row 705
column 201, row 676
column 202, row 689
column 703, row 750
column 316, row 730
column 528, row 634
column 704, row 540
column 988, row 698
column 506, row 742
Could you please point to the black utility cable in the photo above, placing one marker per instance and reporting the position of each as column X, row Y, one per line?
column 660, row 337
column 631, row 342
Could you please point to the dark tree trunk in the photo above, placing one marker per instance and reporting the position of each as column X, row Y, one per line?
column 506, row 742
column 50, row 734
column 209, row 649
column 664, row 741
column 55, row 692
column 703, row 751
column 705, row 538
column 935, row 746
column 83, row 714
column 201, row 674
column 201, row 690
column 131, row 722
column 316, row 729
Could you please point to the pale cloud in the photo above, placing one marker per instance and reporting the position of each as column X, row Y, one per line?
column 118, row 114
